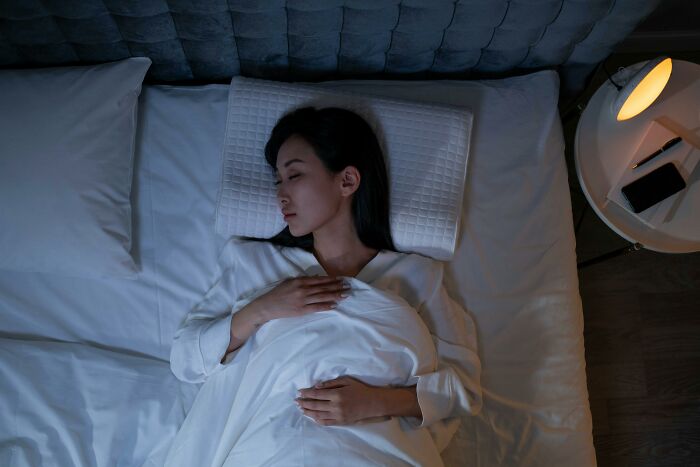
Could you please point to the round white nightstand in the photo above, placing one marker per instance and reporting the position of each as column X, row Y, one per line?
column 603, row 146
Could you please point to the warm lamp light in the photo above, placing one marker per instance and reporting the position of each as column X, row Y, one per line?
column 642, row 89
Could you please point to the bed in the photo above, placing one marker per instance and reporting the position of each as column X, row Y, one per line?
column 85, row 361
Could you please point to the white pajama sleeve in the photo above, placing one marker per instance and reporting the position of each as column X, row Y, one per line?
column 454, row 390
column 201, row 340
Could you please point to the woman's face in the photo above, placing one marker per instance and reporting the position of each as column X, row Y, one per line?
column 306, row 188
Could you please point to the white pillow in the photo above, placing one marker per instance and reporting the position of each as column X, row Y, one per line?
column 426, row 149
column 67, row 141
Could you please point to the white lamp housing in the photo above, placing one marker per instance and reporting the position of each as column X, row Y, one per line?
column 642, row 89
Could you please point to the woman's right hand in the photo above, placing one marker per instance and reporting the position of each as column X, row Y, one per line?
column 294, row 296
column 297, row 296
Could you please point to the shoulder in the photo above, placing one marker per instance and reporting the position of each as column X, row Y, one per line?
column 420, row 269
column 421, row 262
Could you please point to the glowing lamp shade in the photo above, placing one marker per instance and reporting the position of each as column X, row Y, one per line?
column 642, row 89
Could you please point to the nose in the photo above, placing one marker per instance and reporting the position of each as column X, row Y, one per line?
column 282, row 198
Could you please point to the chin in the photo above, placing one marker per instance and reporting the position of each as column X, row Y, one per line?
column 294, row 231
column 297, row 232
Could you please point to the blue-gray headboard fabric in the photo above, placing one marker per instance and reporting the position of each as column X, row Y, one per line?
column 209, row 41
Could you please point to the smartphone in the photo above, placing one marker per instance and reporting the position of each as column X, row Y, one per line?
column 653, row 187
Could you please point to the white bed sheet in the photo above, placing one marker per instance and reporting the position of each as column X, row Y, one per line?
column 514, row 270
column 69, row 404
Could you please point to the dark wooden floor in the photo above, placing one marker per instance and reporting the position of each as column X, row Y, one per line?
column 642, row 339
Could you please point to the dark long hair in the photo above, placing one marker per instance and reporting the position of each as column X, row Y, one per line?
column 340, row 138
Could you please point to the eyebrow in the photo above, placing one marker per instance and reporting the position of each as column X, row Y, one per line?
column 289, row 162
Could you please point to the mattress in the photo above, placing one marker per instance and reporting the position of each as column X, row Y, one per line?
column 99, row 343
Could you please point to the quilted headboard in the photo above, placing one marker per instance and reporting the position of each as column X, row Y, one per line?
column 203, row 41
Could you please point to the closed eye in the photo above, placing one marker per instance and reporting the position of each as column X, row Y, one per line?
column 293, row 176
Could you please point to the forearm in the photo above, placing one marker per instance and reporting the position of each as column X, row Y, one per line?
column 400, row 402
column 244, row 323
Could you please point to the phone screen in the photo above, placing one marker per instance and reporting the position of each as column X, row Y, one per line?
column 653, row 187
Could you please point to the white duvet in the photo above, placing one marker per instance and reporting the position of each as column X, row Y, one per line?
column 245, row 414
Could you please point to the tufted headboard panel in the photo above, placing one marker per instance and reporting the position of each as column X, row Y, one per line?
column 203, row 41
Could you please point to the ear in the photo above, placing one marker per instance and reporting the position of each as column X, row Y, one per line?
column 350, row 180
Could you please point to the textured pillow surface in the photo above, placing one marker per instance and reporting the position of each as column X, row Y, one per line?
column 425, row 147
column 67, row 142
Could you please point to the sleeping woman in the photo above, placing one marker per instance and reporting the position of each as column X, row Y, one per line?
column 324, row 345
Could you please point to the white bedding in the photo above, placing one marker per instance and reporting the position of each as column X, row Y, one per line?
column 374, row 336
column 514, row 271
column 69, row 404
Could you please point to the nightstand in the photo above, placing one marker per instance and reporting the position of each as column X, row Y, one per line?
column 603, row 147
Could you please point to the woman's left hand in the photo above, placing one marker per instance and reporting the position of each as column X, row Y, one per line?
column 342, row 401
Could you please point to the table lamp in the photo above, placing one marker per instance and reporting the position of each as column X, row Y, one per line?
column 641, row 89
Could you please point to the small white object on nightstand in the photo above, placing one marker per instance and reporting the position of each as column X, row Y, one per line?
column 605, row 149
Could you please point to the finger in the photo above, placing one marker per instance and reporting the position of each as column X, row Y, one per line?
column 312, row 281
column 321, row 406
column 331, row 289
column 315, row 386
column 325, row 297
column 333, row 385
column 316, row 414
column 330, row 292
column 319, row 306
column 315, row 394
column 330, row 382
column 313, row 307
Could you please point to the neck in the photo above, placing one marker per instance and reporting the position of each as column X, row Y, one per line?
column 338, row 248
column 349, row 263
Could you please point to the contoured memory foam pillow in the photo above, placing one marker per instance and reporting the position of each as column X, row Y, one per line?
column 425, row 146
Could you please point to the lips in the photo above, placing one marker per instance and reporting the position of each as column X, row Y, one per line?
column 287, row 216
